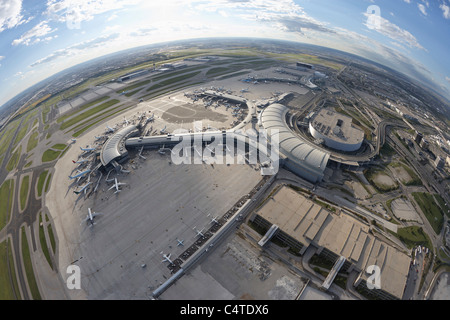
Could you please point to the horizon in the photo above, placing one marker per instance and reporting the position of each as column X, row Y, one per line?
column 41, row 40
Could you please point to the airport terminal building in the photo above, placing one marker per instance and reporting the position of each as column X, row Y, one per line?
column 299, row 156
column 303, row 224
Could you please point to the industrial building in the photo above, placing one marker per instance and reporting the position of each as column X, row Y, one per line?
column 299, row 156
column 336, row 131
column 303, row 224
column 133, row 75
column 303, row 66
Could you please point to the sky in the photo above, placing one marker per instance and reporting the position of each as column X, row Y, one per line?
column 39, row 38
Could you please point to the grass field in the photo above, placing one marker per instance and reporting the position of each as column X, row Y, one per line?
column 40, row 183
column 414, row 178
column 8, row 285
column 59, row 146
column 88, row 113
column 430, row 208
column 24, row 187
column 29, row 267
column 380, row 179
column 413, row 236
column 83, row 107
column 14, row 160
column 50, row 155
column 43, row 242
column 33, row 141
column 52, row 238
column 173, row 80
column 6, row 198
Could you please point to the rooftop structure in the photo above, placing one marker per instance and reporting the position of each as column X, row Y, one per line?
column 336, row 130
column 114, row 147
column 302, row 158
column 308, row 223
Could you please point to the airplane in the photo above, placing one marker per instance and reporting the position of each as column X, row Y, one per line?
column 125, row 121
column 109, row 129
column 152, row 118
column 84, row 188
column 87, row 149
column 123, row 92
column 163, row 130
column 98, row 138
column 80, row 161
column 244, row 90
column 199, row 233
column 90, row 217
column 214, row 220
column 180, row 243
column 74, row 140
column 116, row 185
column 79, row 175
column 166, row 258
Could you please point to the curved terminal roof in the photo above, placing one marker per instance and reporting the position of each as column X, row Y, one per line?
column 310, row 161
column 111, row 148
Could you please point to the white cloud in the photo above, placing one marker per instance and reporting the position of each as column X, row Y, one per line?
column 77, row 11
column 396, row 33
column 407, row 1
column 448, row 79
column 422, row 8
column 35, row 34
column 445, row 10
column 10, row 14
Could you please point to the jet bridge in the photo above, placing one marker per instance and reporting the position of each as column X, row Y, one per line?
column 333, row 273
column 269, row 234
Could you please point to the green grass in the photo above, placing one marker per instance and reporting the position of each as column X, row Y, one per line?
column 217, row 71
column 50, row 155
column 22, row 132
column 89, row 121
column 47, row 184
column 134, row 86
column 32, row 141
column 441, row 203
column 83, row 107
column 14, row 160
column 24, row 187
column 173, row 80
column 40, row 183
column 430, row 208
column 51, row 236
column 88, row 113
column 6, row 190
column 29, row 267
column 413, row 236
column 43, row 242
column 7, row 285
column 28, row 164
column 59, row 146
column 8, row 135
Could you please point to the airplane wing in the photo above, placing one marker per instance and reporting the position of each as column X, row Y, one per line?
column 113, row 186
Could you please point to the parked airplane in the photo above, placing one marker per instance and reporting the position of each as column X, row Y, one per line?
column 163, row 130
column 214, row 220
column 74, row 140
column 84, row 188
column 199, row 232
column 87, row 149
column 80, row 161
column 180, row 243
column 244, row 90
column 109, row 129
column 90, row 217
column 79, row 175
column 166, row 258
column 117, row 185
column 152, row 118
